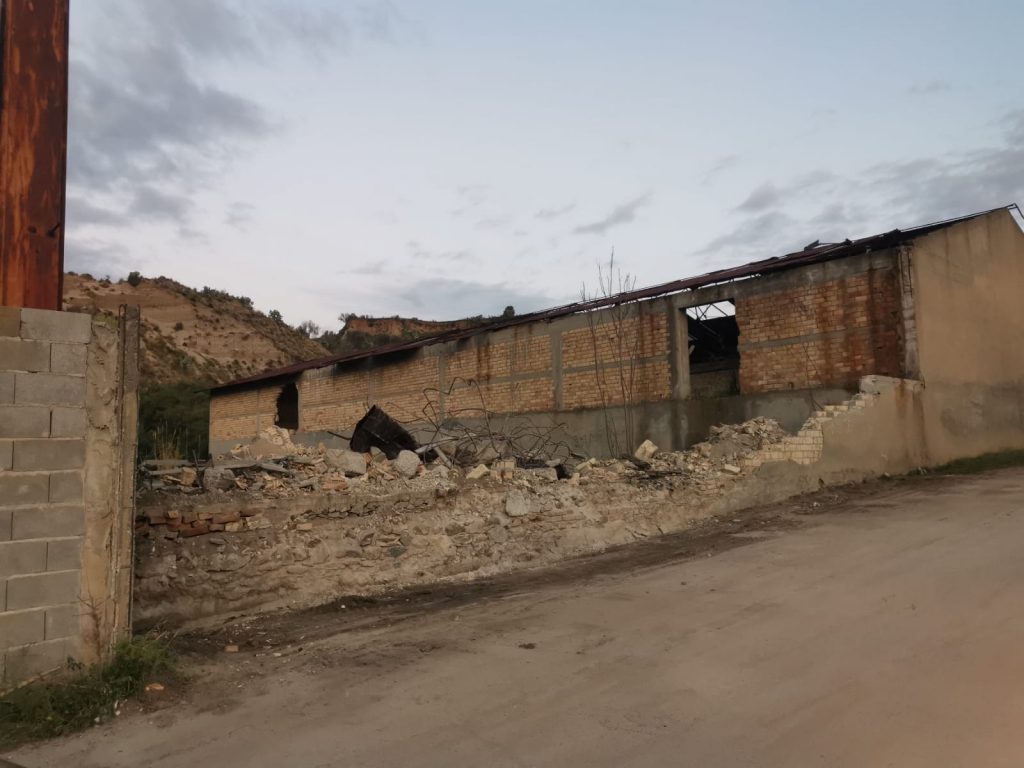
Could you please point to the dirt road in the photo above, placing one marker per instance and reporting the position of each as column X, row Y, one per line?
column 884, row 629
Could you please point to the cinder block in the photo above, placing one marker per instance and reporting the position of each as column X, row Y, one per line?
column 47, row 522
column 17, row 489
column 22, row 628
column 62, row 621
column 68, row 422
column 6, row 455
column 48, row 389
column 66, row 488
column 24, row 421
column 31, row 660
column 20, row 355
column 64, row 554
column 68, row 358
column 10, row 321
column 35, row 455
column 50, row 325
column 6, row 386
column 20, row 558
column 42, row 589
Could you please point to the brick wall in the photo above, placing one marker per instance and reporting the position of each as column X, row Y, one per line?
column 533, row 369
column 45, row 450
column 821, row 334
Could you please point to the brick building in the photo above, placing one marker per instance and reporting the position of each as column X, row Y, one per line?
column 779, row 338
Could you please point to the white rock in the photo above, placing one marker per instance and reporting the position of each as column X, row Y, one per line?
column 407, row 464
column 218, row 479
column 480, row 470
column 646, row 451
column 517, row 504
column 351, row 463
column 732, row 469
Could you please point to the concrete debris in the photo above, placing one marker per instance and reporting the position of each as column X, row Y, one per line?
column 517, row 504
column 352, row 464
column 307, row 469
column 646, row 451
column 218, row 479
column 478, row 472
column 406, row 464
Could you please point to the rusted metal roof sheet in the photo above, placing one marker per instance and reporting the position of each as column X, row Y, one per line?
column 33, row 151
column 813, row 255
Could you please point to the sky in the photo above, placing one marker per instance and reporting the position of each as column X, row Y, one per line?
column 450, row 158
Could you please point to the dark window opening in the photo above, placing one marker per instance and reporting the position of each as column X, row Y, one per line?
column 288, row 408
column 714, row 351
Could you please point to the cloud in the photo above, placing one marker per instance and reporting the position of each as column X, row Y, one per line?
column 720, row 166
column 621, row 214
column 547, row 214
column 759, row 232
column 450, row 299
column 765, row 196
column 95, row 257
column 929, row 87
column 143, row 107
column 239, row 215
column 901, row 193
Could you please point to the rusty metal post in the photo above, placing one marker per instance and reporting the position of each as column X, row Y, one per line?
column 33, row 151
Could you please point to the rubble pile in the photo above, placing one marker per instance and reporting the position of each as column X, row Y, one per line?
column 274, row 466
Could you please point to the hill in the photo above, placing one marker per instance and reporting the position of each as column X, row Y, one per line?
column 196, row 336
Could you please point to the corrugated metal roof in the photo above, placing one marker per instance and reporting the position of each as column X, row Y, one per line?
column 811, row 255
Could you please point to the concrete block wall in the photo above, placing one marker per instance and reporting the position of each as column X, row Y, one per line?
column 45, row 422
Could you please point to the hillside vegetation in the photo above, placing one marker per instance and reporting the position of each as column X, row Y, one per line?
column 196, row 336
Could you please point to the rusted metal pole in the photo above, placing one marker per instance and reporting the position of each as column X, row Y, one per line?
column 33, row 151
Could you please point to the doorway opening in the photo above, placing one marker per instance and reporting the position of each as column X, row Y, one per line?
column 288, row 407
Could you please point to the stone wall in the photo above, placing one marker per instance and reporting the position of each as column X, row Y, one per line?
column 64, row 527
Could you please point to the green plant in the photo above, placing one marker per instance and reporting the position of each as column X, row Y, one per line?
column 174, row 421
column 82, row 696
column 276, row 316
column 134, row 278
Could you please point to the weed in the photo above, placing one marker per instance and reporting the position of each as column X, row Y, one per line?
column 83, row 696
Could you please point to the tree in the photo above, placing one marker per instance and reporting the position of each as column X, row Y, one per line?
column 276, row 316
column 616, row 337
column 134, row 278
column 309, row 329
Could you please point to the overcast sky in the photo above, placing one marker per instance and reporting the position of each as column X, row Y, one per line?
column 444, row 158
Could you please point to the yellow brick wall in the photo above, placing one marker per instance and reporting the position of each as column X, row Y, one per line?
column 513, row 374
column 825, row 334
column 241, row 415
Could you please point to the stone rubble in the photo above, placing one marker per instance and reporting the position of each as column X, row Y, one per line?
column 274, row 467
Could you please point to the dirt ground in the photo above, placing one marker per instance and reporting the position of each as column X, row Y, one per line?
column 879, row 625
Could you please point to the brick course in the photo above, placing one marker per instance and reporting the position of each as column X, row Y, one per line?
column 825, row 334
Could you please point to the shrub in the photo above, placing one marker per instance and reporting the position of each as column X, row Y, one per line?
column 174, row 421
column 134, row 278
column 83, row 697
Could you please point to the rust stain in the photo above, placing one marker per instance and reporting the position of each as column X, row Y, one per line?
column 33, row 151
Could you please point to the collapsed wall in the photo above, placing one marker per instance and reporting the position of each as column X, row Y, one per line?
column 266, row 542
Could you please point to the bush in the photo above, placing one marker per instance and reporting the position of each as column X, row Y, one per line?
column 276, row 316
column 47, row 709
column 174, row 421
column 134, row 278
